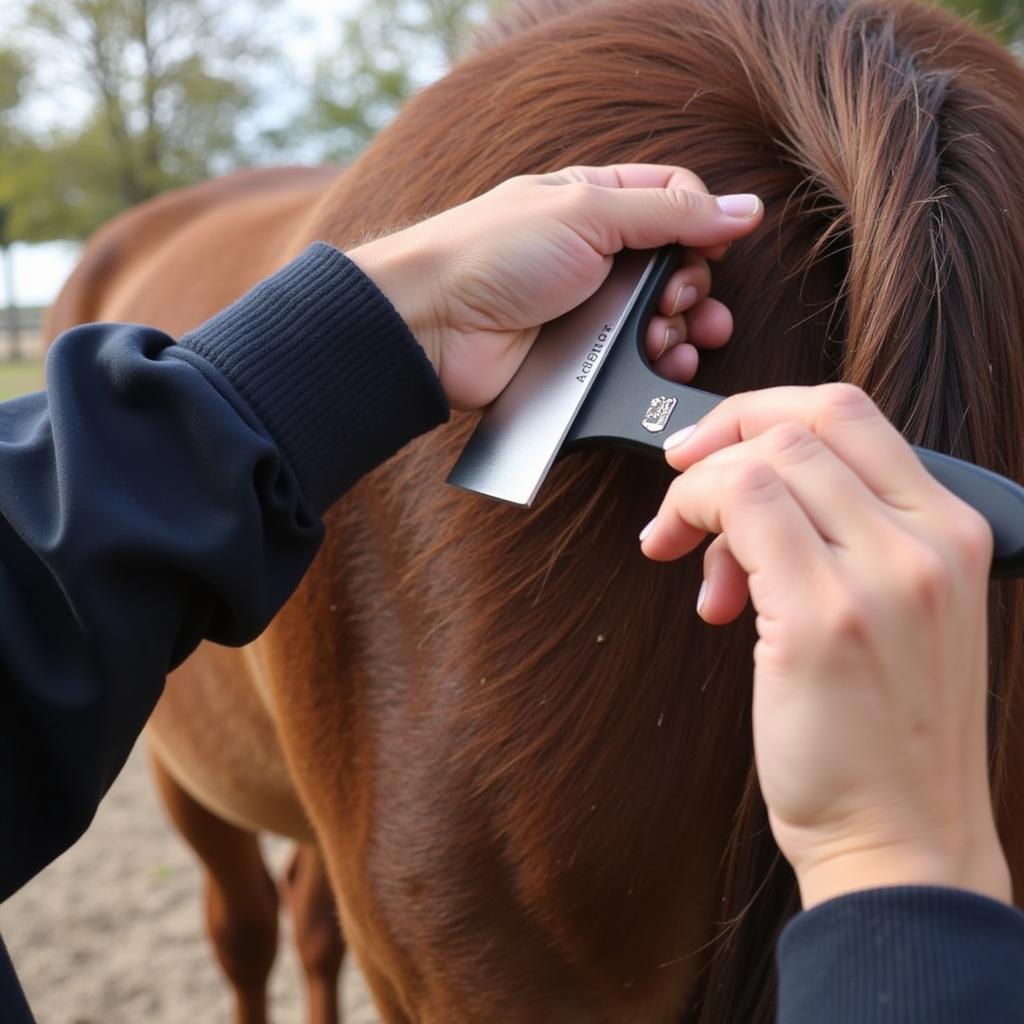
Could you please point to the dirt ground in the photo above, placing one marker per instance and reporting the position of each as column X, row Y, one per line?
column 111, row 933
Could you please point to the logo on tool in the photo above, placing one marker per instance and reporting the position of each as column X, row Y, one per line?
column 658, row 413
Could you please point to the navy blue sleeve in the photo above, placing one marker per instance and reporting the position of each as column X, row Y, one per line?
column 159, row 494
column 905, row 955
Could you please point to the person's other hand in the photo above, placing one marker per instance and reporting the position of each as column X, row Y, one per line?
column 476, row 283
column 869, row 582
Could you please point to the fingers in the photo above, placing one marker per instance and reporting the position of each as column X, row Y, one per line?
column 686, row 315
column 841, row 492
column 629, row 176
column 715, row 252
column 672, row 344
column 724, row 593
column 678, row 364
column 689, row 285
column 709, row 325
column 636, row 218
column 836, row 502
column 841, row 415
column 644, row 206
column 787, row 509
column 686, row 288
column 664, row 333
column 768, row 532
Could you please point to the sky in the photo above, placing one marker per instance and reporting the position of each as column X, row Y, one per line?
column 40, row 270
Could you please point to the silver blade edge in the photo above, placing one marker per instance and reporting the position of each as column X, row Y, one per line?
column 520, row 434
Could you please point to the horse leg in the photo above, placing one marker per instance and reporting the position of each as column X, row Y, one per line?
column 307, row 894
column 241, row 899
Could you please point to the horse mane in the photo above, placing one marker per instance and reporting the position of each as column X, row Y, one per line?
column 886, row 141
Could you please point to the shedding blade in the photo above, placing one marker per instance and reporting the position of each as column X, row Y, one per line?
column 521, row 433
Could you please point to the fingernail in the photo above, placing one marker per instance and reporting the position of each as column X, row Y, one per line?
column 685, row 298
column 670, row 338
column 701, row 594
column 676, row 439
column 647, row 529
column 744, row 205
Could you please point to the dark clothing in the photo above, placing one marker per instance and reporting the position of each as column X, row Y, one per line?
column 159, row 494
column 909, row 955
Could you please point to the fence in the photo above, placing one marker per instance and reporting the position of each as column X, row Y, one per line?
column 20, row 334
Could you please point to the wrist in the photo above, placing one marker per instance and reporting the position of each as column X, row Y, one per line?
column 978, row 867
column 407, row 270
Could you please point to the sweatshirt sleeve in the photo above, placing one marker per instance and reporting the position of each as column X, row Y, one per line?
column 159, row 494
column 904, row 955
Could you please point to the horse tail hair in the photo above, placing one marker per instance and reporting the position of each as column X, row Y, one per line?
column 908, row 141
column 885, row 139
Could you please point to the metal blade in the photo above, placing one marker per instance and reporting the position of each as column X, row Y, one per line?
column 521, row 433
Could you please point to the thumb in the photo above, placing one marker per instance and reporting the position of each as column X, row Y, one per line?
column 646, row 218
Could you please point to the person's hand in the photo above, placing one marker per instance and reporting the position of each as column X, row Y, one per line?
column 869, row 582
column 476, row 283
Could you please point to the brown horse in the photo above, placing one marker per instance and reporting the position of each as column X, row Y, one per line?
column 525, row 763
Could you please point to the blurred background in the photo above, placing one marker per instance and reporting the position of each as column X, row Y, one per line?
column 106, row 103
column 103, row 104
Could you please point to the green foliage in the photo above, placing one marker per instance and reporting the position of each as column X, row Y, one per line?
column 12, row 78
column 389, row 49
column 167, row 93
column 63, row 188
column 167, row 84
column 1005, row 18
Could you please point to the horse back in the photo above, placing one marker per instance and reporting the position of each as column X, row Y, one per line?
column 176, row 260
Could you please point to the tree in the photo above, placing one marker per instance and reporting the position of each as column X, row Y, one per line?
column 168, row 86
column 389, row 49
column 12, row 78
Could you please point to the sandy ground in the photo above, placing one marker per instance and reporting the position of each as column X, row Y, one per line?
column 111, row 933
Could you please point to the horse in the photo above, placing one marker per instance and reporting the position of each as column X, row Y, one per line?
column 514, row 758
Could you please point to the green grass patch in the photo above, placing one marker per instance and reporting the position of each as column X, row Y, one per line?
column 19, row 378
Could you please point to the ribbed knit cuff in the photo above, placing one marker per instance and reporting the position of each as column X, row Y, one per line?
column 906, row 954
column 328, row 366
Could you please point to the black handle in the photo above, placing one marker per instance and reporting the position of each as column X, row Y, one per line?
column 997, row 498
column 631, row 406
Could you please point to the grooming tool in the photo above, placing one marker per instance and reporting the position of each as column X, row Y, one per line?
column 587, row 383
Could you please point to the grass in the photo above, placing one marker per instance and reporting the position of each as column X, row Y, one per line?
column 18, row 378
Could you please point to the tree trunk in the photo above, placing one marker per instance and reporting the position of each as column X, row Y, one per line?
column 13, row 329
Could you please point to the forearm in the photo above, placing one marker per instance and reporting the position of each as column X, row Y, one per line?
column 157, row 495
